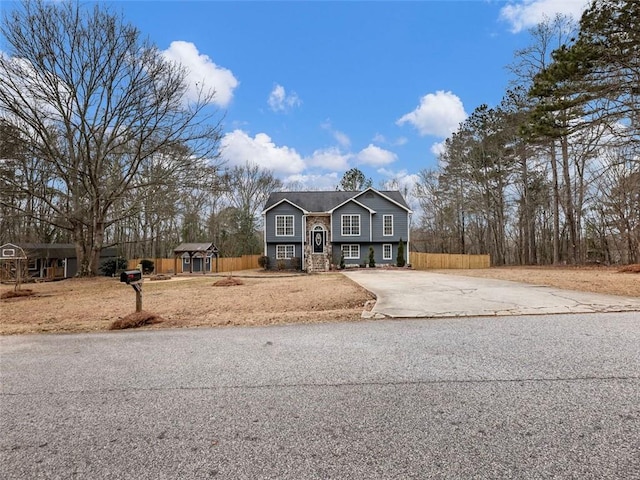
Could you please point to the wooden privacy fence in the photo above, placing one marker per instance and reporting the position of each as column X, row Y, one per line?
column 225, row 264
column 425, row 261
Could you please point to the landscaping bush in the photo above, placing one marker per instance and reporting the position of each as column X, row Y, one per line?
column 264, row 262
column 147, row 266
column 372, row 257
column 112, row 266
column 400, row 260
column 296, row 263
column 342, row 261
column 281, row 264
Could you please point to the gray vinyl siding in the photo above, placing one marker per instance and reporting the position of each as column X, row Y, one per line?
column 383, row 207
column 271, row 252
column 199, row 265
column 270, row 225
column 351, row 208
column 364, row 253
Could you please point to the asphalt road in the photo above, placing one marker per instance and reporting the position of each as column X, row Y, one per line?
column 502, row 397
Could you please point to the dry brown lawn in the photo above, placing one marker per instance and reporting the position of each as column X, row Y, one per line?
column 87, row 305
column 608, row 280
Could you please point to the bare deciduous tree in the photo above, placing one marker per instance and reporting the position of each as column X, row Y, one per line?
column 94, row 103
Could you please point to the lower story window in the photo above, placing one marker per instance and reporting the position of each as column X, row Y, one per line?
column 285, row 252
column 351, row 252
column 386, row 251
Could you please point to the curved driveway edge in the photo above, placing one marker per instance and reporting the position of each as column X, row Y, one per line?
column 421, row 294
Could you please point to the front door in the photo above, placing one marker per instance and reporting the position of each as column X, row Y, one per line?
column 318, row 241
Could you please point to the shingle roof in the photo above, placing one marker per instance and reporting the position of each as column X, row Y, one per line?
column 323, row 201
column 194, row 247
column 59, row 250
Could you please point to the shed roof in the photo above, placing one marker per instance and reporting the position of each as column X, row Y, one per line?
column 195, row 247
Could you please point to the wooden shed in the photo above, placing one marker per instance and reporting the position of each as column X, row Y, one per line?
column 196, row 258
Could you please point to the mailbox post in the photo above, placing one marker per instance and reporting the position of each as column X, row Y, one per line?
column 134, row 278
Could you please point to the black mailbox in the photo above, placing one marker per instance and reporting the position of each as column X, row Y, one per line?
column 131, row 276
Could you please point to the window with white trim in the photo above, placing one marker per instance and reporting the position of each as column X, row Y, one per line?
column 351, row 252
column 387, row 253
column 350, row 225
column 284, row 225
column 387, row 229
column 285, row 252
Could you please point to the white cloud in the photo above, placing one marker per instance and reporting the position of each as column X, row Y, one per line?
column 202, row 72
column 238, row 148
column 375, row 156
column 279, row 101
column 438, row 114
column 402, row 181
column 438, row 148
column 342, row 138
column 379, row 138
column 398, row 142
column 529, row 13
column 398, row 180
column 313, row 182
column 330, row 159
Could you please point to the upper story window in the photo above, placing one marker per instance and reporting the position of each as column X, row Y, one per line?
column 387, row 225
column 284, row 225
column 350, row 225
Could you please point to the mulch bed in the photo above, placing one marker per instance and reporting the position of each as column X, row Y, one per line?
column 135, row 320
column 228, row 282
column 26, row 292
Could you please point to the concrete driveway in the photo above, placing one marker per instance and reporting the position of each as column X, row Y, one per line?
column 420, row 294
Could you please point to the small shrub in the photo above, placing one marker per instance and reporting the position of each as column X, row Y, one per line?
column 147, row 266
column 264, row 262
column 400, row 260
column 112, row 266
column 372, row 257
column 296, row 263
column 281, row 264
column 342, row 261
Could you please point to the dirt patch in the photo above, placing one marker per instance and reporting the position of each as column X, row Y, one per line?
column 630, row 268
column 88, row 305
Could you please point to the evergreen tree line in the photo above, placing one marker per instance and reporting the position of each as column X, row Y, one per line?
column 552, row 174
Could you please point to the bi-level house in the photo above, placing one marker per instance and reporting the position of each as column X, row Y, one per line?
column 320, row 227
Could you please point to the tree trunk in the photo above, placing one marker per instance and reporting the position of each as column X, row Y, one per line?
column 569, row 209
column 556, row 205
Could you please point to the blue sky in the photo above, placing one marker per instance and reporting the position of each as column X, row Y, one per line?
column 311, row 89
